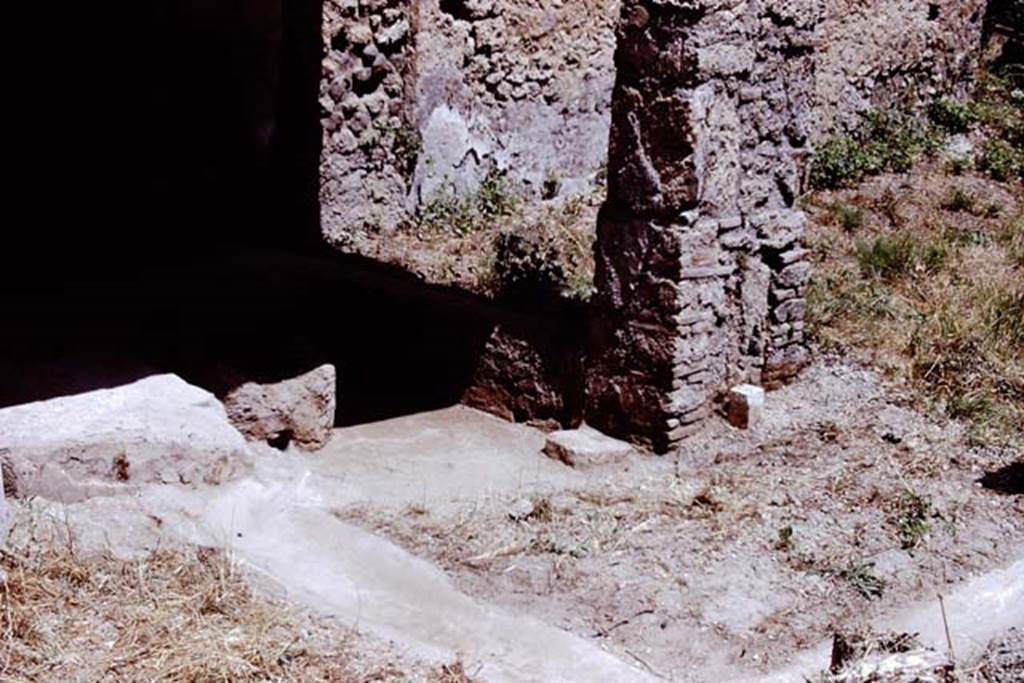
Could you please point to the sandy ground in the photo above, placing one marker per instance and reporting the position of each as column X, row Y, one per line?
column 449, row 536
column 745, row 547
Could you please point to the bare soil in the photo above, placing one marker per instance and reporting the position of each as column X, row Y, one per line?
column 744, row 547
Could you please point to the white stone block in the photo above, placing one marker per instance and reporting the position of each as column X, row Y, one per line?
column 746, row 406
column 585, row 447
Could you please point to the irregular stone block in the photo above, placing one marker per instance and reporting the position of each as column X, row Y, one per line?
column 794, row 275
column 297, row 410
column 529, row 373
column 156, row 430
column 790, row 310
column 745, row 406
column 585, row 447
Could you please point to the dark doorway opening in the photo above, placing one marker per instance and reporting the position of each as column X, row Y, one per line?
column 194, row 243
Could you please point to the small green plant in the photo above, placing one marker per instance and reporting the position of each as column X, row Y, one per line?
column 883, row 141
column 462, row 215
column 952, row 116
column 892, row 256
column 838, row 160
column 527, row 264
column 999, row 105
column 961, row 201
column 850, row 217
column 495, row 197
column 406, row 144
column 887, row 256
column 545, row 254
column 912, row 519
column 966, row 406
column 448, row 212
column 785, row 540
column 1001, row 161
column 933, row 256
column 959, row 165
column 862, row 578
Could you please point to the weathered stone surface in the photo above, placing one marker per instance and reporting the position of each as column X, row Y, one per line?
column 916, row 666
column 891, row 52
column 297, row 410
column 529, row 374
column 706, row 216
column 521, row 88
column 158, row 429
column 745, row 406
column 585, row 447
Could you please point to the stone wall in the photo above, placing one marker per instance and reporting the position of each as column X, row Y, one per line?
column 424, row 97
column 419, row 97
column 885, row 53
column 368, row 75
column 700, row 271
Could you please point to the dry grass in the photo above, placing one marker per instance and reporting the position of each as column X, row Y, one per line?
column 928, row 285
column 497, row 243
column 452, row 673
column 183, row 614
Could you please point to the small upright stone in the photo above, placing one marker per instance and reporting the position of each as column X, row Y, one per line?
column 296, row 409
column 585, row 447
column 746, row 406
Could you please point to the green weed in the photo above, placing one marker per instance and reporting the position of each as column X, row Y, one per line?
column 960, row 200
column 952, row 116
column 882, row 142
column 862, row 578
column 1001, row 160
column 912, row 525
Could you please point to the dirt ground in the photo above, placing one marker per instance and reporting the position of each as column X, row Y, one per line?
column 175, row 613
column 745, row 547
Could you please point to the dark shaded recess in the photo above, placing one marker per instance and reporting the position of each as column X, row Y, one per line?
column 1004, row 20
column 456, row 9
column 171, row 223
column 1009, row 479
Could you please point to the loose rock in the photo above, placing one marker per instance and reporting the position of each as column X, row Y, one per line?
column 746, row 406
column 298, row 410
column 156, row 430
column 585, row 447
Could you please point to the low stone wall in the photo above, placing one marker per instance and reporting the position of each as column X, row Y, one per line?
column 532, row 371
